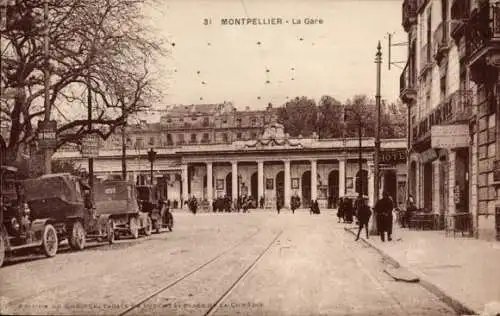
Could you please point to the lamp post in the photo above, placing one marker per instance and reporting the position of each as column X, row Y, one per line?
column 151, row 158
column 378, row 61
column 360, row 148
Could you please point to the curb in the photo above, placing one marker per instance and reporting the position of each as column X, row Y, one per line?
column 459, row 307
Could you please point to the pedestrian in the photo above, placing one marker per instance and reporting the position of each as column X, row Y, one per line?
column 348, row 210
column 340, row 210
column 383, row 210
column 295, row 203
column 315, row 207
column 363, row 215
column 193, row 204
column 278, row 205
column 410, row 210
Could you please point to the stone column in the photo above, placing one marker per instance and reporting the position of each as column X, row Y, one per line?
column 341, row 177
column 451, row 183
column 210, row 189
column 287, row 195
column 260, row 180
column 184, row 176
column 314, row 180
column 371, row 185
column 234, row 180
column 436, row 189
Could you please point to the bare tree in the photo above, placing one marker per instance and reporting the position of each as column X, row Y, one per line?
column 103, row 44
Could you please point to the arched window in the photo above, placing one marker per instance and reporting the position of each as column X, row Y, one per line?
column 170, row 142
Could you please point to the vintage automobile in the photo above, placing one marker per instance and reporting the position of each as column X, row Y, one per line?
column 20, row 228
column 150, row 201
column 65, row 200
column 117, row 200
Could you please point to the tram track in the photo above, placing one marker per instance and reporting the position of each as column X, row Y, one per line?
column 212, row 307
column 112, row 272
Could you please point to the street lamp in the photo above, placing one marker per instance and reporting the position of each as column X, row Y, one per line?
column 151, row 158
column 360, row 149
column 378, row 61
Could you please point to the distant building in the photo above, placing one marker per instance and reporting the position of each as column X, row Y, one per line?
column 196, row 124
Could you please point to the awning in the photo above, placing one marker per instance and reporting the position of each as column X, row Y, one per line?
column 450, row 136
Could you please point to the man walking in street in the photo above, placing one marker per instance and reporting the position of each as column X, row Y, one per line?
column 383, row 210
column 363, row 215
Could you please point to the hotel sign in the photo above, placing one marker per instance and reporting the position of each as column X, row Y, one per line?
column 392, row 156
column 450, row 136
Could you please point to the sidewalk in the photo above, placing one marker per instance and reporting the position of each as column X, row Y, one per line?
column 463, row 271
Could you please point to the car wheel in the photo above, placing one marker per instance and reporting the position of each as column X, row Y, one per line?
column 111, row 231
column 148, row 227
column 77, row 238
column 49, row 241
column 2, row 249
column 134, row 227
column 157, row 226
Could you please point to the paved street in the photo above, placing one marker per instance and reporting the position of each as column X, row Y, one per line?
column 258, row 263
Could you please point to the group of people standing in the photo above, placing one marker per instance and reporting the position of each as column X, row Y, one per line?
column 383, row 214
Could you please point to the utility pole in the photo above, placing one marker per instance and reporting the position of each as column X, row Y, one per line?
column 378, row 61
column 360, row 161
column 89, row 109
column 124, row 144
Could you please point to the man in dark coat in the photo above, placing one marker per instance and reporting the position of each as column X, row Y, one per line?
column 363, row 215
column 348, row 210
column 295, row 203
column 340, row 211
column 383, row 209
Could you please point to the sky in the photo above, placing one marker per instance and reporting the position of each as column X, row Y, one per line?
column 252, row 65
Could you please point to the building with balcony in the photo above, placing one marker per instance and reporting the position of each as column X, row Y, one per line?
column 450, row 85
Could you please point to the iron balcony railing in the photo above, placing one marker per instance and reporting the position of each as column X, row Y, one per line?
column 409, row 13
column 460, row 10
column 484, row 25
column 457, row 108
